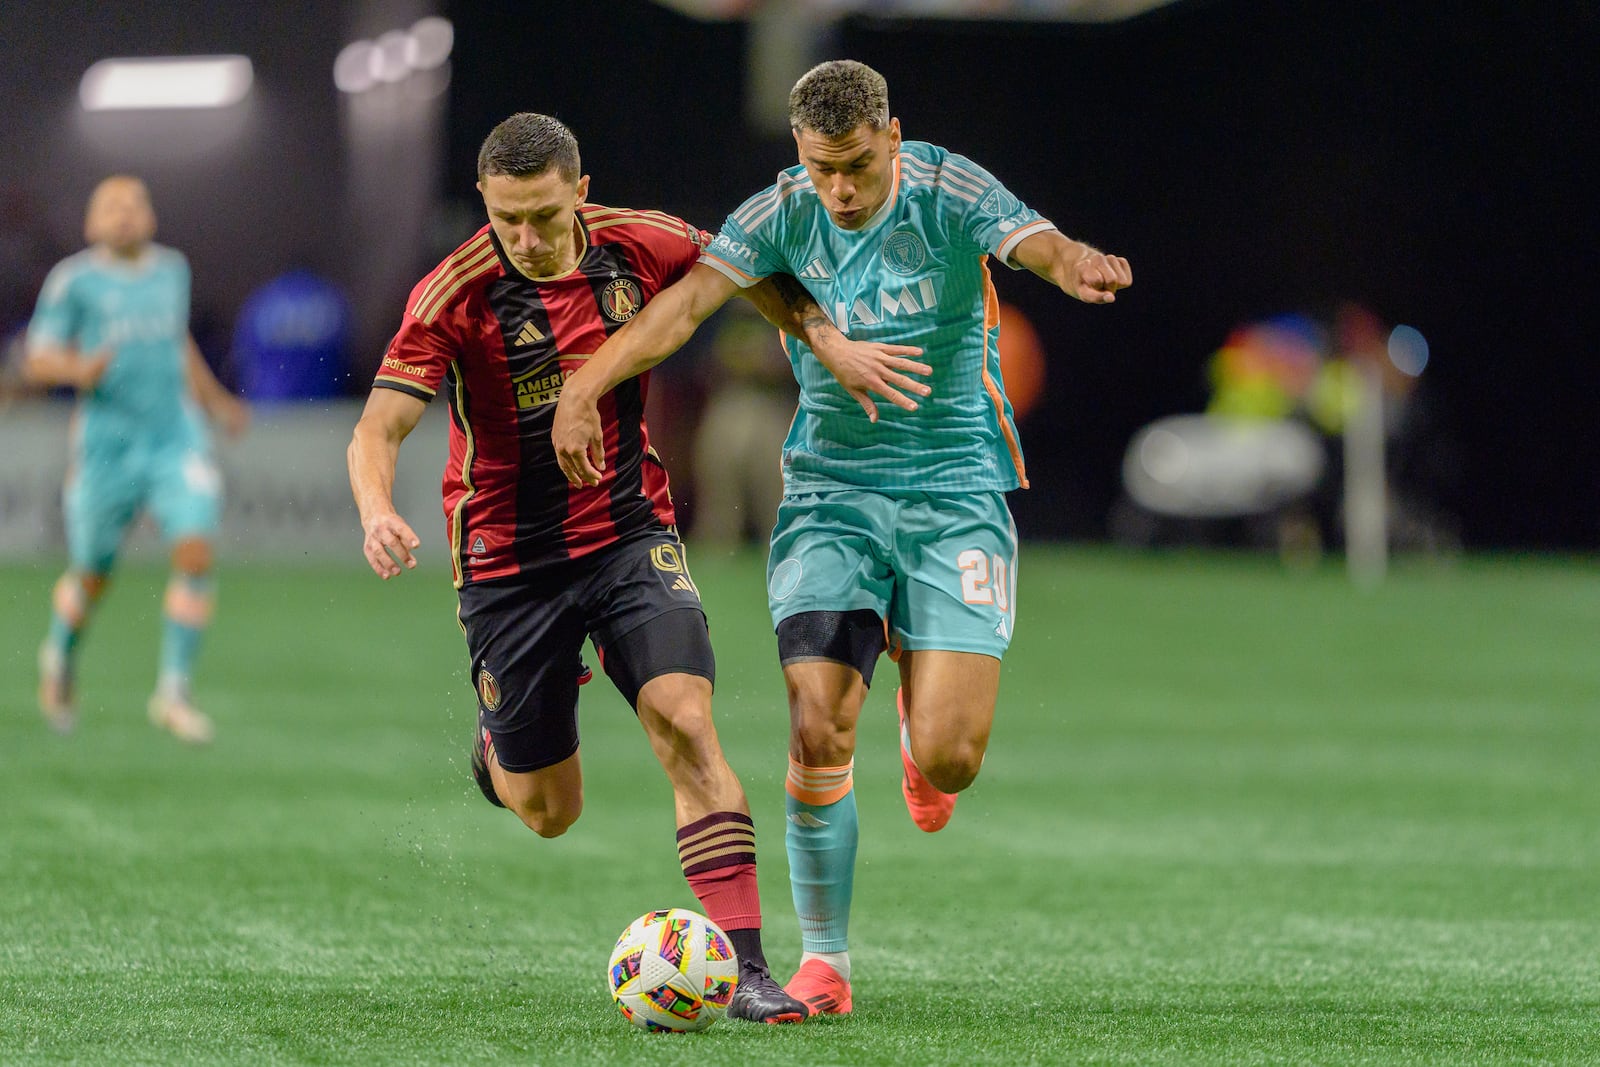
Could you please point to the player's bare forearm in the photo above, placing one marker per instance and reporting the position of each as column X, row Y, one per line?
column 862, row 367
column 221, row 406
column 387, row 541
column 1077, row 269
column 56, row 365
column 789, row 306
column 659, row 329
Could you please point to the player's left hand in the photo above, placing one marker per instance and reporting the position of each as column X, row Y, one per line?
column 866, row 367
column 1097, row 277
column 579, row 439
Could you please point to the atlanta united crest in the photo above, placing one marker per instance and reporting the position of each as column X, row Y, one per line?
column 621, row 300
column 488, row 690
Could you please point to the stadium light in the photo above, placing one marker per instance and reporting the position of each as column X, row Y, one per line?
column 165, row 82
column 398, row 56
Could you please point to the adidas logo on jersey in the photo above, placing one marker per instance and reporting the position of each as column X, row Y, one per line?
column 478, row 547
column 683, row 584
column 1003, row 630
column 528, row 334
column 816, row 271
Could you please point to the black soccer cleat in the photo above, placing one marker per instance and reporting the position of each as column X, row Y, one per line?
column 480, row 767
column 759, row 999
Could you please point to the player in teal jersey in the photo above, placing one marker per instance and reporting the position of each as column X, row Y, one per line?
column 113, row 323
column 894, row 523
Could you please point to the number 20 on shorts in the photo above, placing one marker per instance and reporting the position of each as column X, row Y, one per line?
column 979, row 583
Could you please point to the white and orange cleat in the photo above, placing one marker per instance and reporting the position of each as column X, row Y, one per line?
column 820, row 988
column 174, row 713
column 56, row 701
column 930, row 809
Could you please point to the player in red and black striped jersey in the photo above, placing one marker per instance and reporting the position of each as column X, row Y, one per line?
column 538, row 564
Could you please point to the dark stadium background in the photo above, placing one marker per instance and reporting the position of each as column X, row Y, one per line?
column 1428, row 161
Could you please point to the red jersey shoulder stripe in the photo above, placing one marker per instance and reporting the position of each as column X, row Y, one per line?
column 472, row 260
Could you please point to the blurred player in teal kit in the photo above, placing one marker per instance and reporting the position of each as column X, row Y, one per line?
column 894, row 529
column 113, row 323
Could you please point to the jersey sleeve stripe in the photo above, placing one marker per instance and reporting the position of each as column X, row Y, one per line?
column 960, row 172
column 728, row 270
column 676, row 228
column 429, row 312
column 1017, row 236
column 940, row 179
column 463, row 258
column 787, row 186
column 403, row 385
column 755, row 205
column 598, row 212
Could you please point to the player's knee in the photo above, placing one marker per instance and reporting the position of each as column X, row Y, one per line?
column 952, row 768
column 676, row 705
column 545, row 818
column 192, row 556
column 822, row 726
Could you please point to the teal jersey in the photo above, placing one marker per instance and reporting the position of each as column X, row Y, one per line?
column 916, row 275
column 139, row 313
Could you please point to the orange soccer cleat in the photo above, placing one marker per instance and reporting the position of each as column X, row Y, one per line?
column 820, row 988
column 930, row 809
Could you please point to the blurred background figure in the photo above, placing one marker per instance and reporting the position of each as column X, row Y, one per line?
column 751, row 396
column 112, row 323
column 1420, row 464
column 1265, row 464
column 292, row 339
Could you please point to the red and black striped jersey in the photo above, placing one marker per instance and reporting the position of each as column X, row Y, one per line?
column 500, row 344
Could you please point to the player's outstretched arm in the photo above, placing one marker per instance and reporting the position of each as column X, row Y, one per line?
column 862, row 367
column 220, row 406
column 1074, row 267
column 52, row 365
column 658, row 330
column 387, row 540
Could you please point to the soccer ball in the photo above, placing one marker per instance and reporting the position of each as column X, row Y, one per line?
column 673, row 970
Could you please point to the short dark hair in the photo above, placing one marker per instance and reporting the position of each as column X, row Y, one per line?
column 834, row 98
column 528, row 144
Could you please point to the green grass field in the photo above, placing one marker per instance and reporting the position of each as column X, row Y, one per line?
column 1230, row 816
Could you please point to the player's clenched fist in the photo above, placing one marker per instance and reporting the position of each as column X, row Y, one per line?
column 1098, row 277
column 388, row 544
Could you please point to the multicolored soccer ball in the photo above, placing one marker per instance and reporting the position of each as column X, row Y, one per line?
column 673, row 970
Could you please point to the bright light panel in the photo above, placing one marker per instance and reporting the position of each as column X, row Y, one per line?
column 165, row 82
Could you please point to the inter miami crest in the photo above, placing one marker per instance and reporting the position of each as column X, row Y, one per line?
column 621, row 299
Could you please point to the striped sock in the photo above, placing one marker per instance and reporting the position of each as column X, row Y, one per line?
column 718, row 854
column 821, row 841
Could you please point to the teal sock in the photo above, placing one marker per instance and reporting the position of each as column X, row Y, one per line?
column 186, row 614
column 821, row 841
column 69, row 613
column 62, row 636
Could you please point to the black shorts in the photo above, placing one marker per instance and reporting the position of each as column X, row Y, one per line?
column 635, row 600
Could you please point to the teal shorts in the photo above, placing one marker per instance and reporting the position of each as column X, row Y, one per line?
column 178, row 484
column 941, row 569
